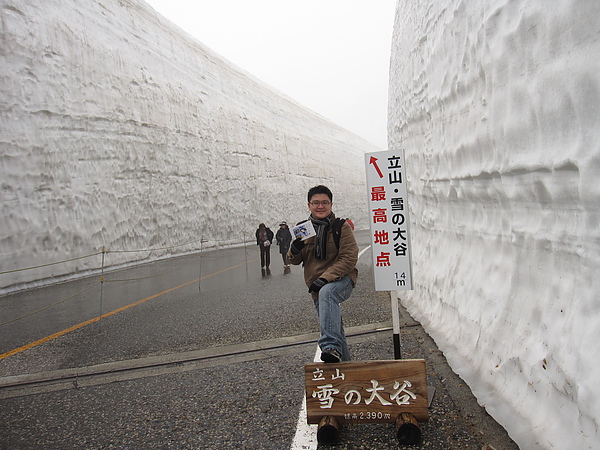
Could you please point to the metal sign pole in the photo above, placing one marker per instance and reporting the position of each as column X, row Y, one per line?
column 396, row 325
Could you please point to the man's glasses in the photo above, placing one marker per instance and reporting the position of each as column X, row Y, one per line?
column 324, row 203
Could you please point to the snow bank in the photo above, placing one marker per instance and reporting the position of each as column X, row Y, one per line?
column 497, row 105
column 120, row 130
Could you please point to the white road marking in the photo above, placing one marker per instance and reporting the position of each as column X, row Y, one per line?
column 306, row 435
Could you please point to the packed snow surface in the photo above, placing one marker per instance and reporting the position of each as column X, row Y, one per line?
column 120, row 131
column 497, row 105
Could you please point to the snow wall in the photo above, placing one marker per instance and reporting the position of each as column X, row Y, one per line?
column 119, row 130
column 497, row 105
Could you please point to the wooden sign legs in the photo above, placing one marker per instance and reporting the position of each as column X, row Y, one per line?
column 407, row 429
column 328, row 432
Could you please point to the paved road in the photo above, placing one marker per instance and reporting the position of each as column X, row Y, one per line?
column 214, row 361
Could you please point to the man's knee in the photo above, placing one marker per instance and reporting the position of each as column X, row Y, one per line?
column 340, row 289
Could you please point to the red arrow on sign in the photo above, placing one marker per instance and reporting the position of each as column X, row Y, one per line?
column 374, row 162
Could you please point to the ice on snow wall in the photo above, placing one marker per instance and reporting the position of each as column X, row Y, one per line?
column 497, row 104
column 120, row 130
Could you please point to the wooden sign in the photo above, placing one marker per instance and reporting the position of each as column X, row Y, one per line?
column 366, row 391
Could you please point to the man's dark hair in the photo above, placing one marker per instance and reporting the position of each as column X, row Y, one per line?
column 320, row 189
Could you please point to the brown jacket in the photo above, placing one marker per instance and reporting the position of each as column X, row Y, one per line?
column 338, row 263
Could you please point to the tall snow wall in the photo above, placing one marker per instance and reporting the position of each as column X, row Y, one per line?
column 119, row 130
column 497, row 105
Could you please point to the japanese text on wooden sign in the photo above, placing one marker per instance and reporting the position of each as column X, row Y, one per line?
column 367, row 391
column 388, row 211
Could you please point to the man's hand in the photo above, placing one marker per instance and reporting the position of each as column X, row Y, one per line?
column 317, row 285
column 297, row 246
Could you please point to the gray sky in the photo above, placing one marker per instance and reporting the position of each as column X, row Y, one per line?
column 331, row 56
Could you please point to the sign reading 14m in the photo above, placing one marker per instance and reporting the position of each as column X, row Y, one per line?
column 388, row 211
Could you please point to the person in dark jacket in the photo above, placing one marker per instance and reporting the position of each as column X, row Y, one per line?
column 264, row 239
column 284, row 239
column 329, row 272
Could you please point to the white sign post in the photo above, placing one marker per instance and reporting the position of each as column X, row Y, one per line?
column 388, row 212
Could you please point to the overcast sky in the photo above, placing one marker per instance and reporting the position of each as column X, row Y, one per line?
column 331, row 56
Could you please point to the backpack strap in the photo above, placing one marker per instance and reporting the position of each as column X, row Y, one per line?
column 336, row 229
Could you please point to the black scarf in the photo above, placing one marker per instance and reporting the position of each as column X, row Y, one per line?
column 321, row 228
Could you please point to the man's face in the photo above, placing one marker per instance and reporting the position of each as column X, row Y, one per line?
column 319, row 210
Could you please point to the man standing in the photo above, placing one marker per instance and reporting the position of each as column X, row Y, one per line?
column 284, row 239
column 329, row 270
column 264, row 237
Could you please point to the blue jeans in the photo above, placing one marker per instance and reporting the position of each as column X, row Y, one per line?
column 330, row 315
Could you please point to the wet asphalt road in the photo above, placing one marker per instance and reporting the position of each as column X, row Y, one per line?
column 215, row 380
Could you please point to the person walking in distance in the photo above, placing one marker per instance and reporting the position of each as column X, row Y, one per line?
column 329, row 258
column 264, row 238
column 284, row 239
